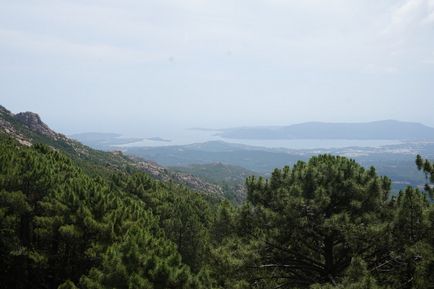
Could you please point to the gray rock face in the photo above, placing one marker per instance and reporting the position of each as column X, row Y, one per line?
column 34, row 122
column 3, row 110
column 30, row 121
column 7, row 127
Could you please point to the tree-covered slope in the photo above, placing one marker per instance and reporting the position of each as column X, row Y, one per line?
column 329, row 223
column 60, row 225
column 27, row 128
column 230, row 178
column 326, row 223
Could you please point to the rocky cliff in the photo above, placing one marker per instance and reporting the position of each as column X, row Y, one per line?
column 34, row 123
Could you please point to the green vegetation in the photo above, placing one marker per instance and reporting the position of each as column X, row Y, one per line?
column 330, row 221
column 92, row 162
column 230, row 178
column 324, row 223
column 394, row 161
column 59, row 225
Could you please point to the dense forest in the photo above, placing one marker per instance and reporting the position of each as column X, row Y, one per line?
column 325, row 223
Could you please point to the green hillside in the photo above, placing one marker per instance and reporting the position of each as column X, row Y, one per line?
column 31, row 130
column 68, row 221
column 60, row 224
column 88, row 159
column 230, row 178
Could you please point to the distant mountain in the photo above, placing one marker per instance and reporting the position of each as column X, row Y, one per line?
column 387, row 129
column 201, row 159
column 261, row 160
column 27, row 128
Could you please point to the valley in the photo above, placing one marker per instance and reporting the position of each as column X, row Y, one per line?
column 395, row 160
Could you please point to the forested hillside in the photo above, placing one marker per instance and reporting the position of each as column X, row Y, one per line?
column 28, row 128
column 327, row 223
column 69, row 219
column 59, row 224
column 230, row 178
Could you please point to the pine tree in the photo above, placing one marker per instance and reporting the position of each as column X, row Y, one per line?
column 312, row 219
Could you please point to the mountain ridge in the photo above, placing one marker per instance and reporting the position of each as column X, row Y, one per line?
column 28, row 128
column 384, row 129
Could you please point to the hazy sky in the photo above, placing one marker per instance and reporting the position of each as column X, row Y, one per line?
column 138, row 67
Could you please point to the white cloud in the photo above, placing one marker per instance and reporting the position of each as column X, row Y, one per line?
column 410, row 15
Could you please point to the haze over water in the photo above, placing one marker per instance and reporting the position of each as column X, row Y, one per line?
column 190, row 136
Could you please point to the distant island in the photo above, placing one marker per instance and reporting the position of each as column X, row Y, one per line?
column 156, row 138
column 385, row 130
column 103, row 140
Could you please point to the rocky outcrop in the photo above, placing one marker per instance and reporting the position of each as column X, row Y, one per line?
column 3, row 110
column 24, row 126
column 6, row 126
column 34, row 123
